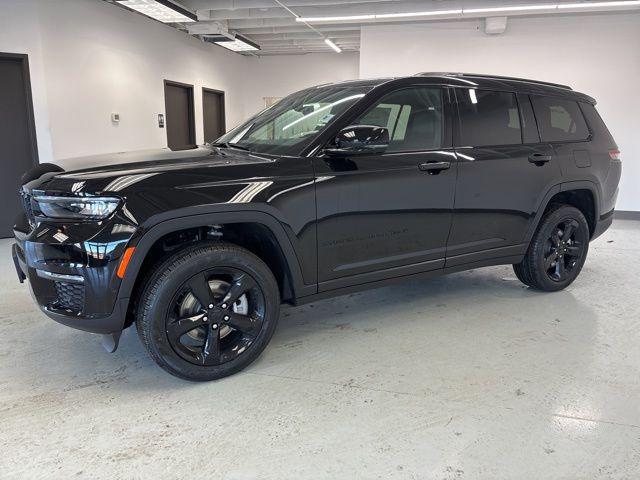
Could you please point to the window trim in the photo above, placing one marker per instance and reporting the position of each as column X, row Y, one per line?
column 533, row 117
column 457, row 143
column 589, row 137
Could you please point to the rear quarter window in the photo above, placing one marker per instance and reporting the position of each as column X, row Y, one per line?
column 559, row 120
column 596, row 124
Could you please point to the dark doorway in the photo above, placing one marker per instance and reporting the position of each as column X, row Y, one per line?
column 213, row 111
column 178, row 100
column 18, row 148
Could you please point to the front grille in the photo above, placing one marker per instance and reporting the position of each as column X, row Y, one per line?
column 70, row 296
column 28, row 209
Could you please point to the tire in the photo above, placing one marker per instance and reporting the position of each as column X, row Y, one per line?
column 208, row 311
column 557, row 251
column 522, row 274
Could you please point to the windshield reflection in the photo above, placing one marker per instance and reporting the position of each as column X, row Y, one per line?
column 292, row 123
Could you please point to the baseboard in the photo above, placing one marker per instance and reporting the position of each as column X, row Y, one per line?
column 626, row 215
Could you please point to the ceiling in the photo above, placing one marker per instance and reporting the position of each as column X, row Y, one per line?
column 273, row 26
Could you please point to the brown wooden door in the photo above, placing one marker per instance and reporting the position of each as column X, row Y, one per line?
column 178, row 99
column 18, row 151
column 213, row 111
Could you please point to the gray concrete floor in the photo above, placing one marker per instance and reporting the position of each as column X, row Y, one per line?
column 468, row 376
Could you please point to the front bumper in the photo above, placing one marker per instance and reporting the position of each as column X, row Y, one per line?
column 71, row 270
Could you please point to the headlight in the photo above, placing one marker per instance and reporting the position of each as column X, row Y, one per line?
column 82, row 208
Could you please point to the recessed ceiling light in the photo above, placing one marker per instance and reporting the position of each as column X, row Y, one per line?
column 237, row 44
column 336, row 48
column 161, row 10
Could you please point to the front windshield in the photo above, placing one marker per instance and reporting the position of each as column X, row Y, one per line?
column 290, row 124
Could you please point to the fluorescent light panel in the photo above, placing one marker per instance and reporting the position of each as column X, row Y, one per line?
column 380, row 16
column 627, row 3
column 237, row 44
column 520, row 8
column 161, row 10
column 336, row 48
column 434, row 13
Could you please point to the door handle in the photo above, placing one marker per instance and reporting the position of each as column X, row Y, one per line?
column 434, row 167
column 539, row 158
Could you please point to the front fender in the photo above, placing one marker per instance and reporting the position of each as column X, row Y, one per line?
column 165, row 223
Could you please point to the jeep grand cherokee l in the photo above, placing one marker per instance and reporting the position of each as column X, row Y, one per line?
column 336, row 188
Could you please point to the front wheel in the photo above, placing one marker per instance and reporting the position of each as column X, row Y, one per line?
column 557, row 251
column 208, row 311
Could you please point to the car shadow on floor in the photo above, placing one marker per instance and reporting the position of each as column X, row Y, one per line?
column 432, row 300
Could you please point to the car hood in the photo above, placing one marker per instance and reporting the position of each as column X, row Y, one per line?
column 116, row 172
column 148, row 161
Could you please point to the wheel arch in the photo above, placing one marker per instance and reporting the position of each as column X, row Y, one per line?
column 583, row 195
column 242, row 226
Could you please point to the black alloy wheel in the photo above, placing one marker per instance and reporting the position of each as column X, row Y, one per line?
column 564, row 250
column 208, row 311
column 215, row 316
column 557, row 251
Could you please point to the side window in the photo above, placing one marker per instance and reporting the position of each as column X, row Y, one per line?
column 413, row 116
column 559, row 120
column 488, row 118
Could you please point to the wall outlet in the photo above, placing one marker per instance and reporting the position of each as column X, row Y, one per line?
column 115, row 117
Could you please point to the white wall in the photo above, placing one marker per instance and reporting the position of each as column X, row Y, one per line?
column 89, row 59
column 100, row 59
column 20, row 33
column 595, row 54
column 277, row 76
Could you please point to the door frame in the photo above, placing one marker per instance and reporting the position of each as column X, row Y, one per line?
column 192, row 113
column 223, row 113
column 31, row 124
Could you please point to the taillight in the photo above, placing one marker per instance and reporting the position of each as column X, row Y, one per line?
column 614, row 154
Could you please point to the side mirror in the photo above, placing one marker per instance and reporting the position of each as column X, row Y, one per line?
column 359, row 140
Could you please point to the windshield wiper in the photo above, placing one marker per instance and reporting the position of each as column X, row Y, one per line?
column 230, row 145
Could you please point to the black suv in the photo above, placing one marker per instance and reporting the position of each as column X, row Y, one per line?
column 335, row 188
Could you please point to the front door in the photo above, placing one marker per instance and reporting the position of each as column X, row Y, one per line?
column 386, row 215
column 504, row 171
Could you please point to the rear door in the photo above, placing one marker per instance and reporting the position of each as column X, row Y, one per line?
column 384, row 215
column 504, row 171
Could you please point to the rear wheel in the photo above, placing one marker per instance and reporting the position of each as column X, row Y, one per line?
column 557, row 251
column 208, row 311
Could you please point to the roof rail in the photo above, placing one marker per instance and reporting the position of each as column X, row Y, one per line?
column 494, row 77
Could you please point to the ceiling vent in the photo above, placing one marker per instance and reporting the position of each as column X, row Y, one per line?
column 495, row 25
